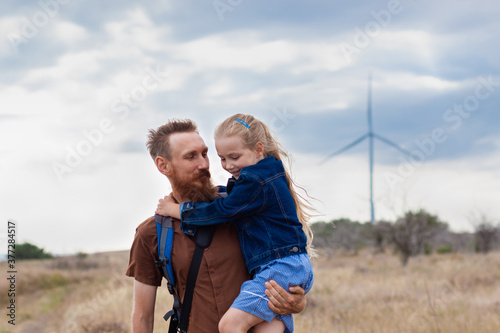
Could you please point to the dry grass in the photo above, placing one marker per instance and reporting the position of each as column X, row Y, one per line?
column 373, row 293
column 363, row 293
column 72, row 294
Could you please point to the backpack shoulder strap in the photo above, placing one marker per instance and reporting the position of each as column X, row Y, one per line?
column 203, row 238
column 179, row 317
column 165, row 235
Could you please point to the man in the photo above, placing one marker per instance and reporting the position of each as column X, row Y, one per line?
column 180, row 154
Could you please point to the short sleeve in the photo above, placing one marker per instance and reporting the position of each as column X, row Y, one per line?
column 143, row 255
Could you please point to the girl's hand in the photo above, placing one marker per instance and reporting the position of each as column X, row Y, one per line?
column 168, row 207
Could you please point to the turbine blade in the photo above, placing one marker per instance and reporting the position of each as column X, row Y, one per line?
column 390, row 143
column 349, row 146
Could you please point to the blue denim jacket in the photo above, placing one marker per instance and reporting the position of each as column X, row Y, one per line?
column 262, row 209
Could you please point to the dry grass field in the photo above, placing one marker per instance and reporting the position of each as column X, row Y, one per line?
column 362, row 293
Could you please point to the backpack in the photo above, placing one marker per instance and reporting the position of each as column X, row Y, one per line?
column 179, row 315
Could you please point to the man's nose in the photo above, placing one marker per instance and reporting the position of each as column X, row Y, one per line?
column 204, row 164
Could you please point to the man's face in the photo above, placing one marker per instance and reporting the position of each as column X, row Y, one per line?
column 189, row 162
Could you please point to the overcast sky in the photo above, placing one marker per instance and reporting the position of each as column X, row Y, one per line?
column 81, row 82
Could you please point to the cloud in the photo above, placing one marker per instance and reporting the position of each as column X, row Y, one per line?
column 280, row 61
column 68, row 33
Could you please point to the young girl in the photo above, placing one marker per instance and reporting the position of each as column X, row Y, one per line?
column 269, row 215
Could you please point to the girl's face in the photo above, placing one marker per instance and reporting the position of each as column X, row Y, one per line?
column 234, row 155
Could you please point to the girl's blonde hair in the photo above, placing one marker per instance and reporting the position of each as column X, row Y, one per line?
column 252, row 131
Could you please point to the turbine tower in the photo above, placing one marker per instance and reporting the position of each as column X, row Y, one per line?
column 370, row 136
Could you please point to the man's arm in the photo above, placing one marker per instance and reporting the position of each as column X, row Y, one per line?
column 283, row 302
column 144, row 307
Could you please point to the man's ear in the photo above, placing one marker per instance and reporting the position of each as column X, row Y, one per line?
column 163, row 165
column 259, row 149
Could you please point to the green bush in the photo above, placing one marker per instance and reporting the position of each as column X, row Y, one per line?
column 427, row 249
column 30, row 251
column 446, row 248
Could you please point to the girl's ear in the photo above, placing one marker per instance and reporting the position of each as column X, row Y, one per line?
column 259, row 149
column 163, row 165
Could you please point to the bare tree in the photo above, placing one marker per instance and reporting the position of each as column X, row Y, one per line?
column 485, row 232
column 410, row 232
column 381, row 233
column 486, row 235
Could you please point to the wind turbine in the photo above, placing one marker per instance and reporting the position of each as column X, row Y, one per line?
column 370, row 136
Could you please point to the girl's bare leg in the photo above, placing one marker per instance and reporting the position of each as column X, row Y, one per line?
column 238, row 321
column 274, row 326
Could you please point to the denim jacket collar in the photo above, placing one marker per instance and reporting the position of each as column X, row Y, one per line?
column 265, row 168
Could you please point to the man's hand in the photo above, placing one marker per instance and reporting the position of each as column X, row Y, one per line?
column 283, row 302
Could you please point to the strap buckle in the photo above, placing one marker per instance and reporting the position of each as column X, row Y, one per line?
column 162, row 262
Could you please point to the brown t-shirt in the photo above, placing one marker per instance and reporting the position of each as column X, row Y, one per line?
column 222, row 270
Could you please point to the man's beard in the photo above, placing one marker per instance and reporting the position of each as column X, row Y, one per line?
column 198, row 188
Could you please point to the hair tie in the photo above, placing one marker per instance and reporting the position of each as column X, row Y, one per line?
column 241, row 121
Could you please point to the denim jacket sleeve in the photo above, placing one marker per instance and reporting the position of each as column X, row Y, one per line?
column 246, row 198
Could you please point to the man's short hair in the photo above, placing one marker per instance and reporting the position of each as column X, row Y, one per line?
column 158, row 142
